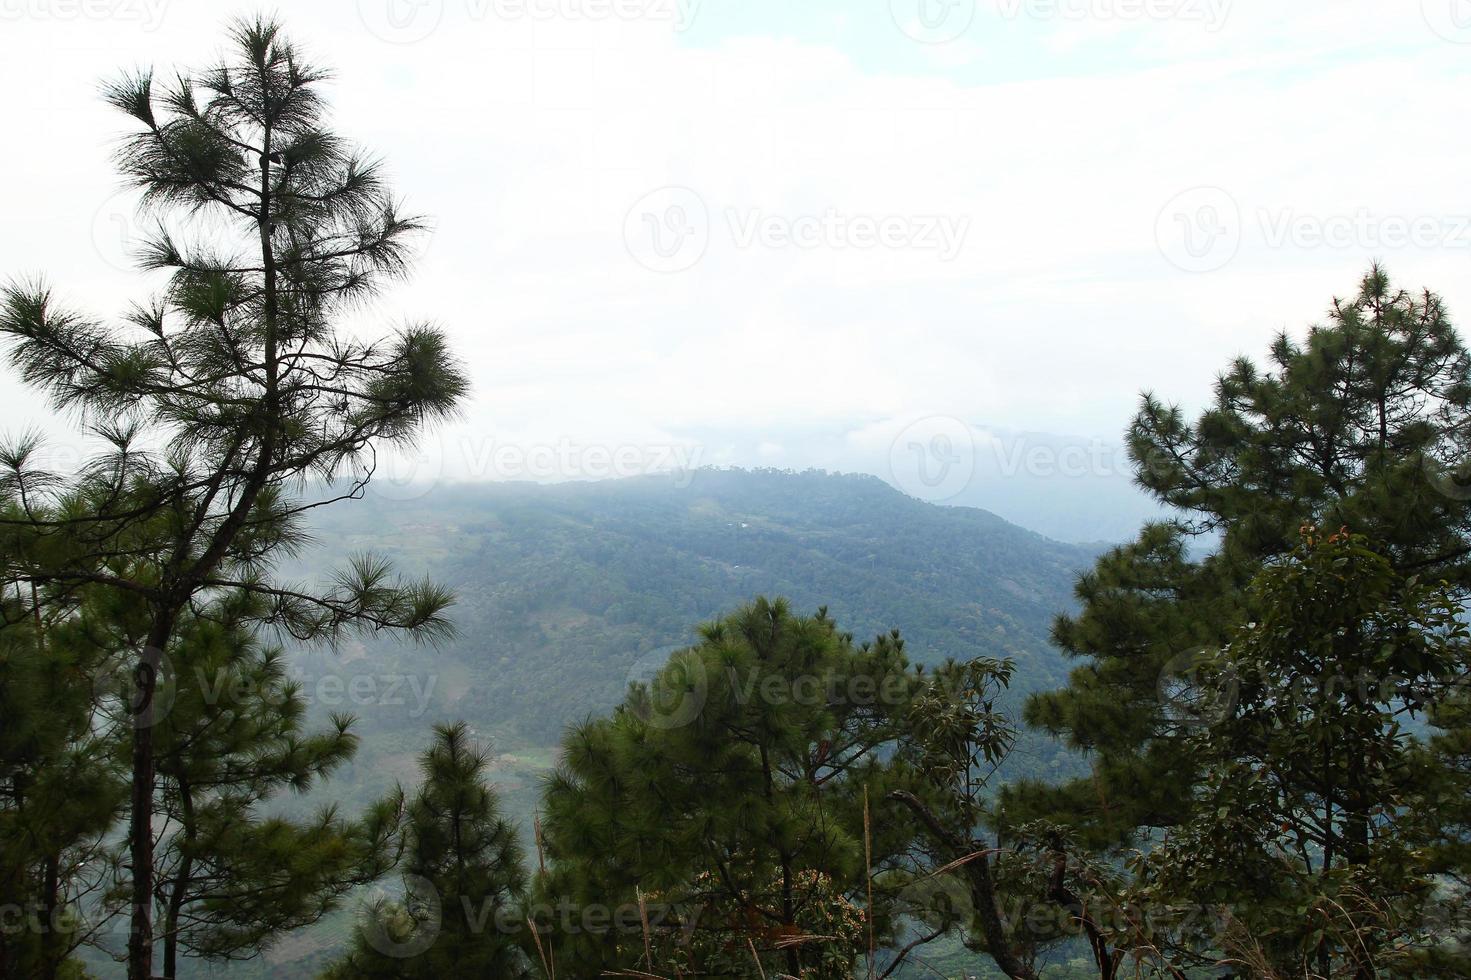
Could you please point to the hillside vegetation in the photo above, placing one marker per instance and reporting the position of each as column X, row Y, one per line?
column 566, row 592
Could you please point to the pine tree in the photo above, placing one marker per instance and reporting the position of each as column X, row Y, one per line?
column 231, row 877
column 229, row 738
column 462, row 911
column 60, row 791
column 1362, row 424
column 724, row 804
column 219, row 397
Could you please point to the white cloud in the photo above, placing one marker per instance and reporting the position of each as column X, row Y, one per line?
column 528, row 140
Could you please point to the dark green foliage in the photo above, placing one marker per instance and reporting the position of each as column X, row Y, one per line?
column 60, row 790
column 221, row 395
column 231, row 877
column 728, row 797
column 1360, row 425
column 1299, row 850
column 461, row 914
column 1445, row 832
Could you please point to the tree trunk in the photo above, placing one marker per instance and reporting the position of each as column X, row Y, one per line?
column 140, row 940
column 13, row 884
column 51, row 954
column 977, row 871
column 140, row 818
column 789, row 914
column 180, row 885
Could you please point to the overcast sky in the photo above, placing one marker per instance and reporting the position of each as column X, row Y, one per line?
column 896, row 237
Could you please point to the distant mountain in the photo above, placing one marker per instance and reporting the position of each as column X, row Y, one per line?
column 1073, row 488
column 568, row 591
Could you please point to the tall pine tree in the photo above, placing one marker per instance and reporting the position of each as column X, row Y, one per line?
column 237, row 379
column 1364, row 424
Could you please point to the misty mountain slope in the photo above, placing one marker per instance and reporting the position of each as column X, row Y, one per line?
column 567, row 591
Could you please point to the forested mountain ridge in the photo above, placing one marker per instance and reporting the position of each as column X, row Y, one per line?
column 564, row 590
